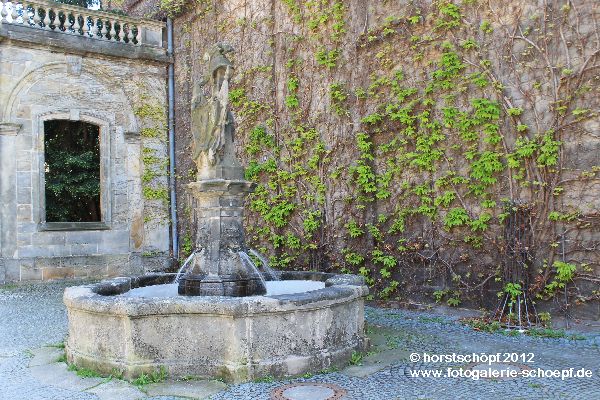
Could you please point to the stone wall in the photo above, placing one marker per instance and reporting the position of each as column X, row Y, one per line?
column 126, row 98
column 136, row 8
column 386, row 137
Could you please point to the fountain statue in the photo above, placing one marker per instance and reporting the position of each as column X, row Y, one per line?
column 212, row 121
column 220, row 266
column 219, row 316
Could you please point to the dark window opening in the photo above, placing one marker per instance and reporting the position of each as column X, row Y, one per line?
column 72, row 171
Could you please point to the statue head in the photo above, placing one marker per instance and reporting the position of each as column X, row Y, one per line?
column 219, row 66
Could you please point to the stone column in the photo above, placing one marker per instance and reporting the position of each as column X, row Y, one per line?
column 220, row 267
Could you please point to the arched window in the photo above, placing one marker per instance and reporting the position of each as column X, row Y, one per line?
column 72, row 171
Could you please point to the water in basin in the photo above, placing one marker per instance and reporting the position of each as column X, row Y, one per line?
column 273, row 288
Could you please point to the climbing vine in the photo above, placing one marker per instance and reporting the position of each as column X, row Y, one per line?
column 151, row 114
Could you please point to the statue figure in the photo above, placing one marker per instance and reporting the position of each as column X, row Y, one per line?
column 212, row 121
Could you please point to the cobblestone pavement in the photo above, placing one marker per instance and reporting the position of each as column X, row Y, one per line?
column 33, row 316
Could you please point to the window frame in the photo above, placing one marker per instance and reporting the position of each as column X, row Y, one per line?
column 105, row 181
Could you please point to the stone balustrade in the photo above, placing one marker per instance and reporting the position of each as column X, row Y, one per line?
column 74, row 20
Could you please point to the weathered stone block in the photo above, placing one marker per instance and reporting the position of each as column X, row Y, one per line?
column 23, row 166
column 24, row 213
column 84, row 261
column 25, row 156
column 83, row 237
column 155, row 263
column 114, row 242
column 24, row 141
column 24, row 195
column 31, row 273
column 157, row 238
column 119, row 265
column 27, row 227
column 24, row 239
column 44, row 251
column 48, row 238
column 91, row 271
column 12, row 270
column 23, row 112
column 31, row 251
column 21, row 56
column 49, row 262
column 84, row 249
column 53, row 273
column 24, row 179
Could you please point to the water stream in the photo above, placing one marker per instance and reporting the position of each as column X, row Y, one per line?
column 246, row 258
column 181, row 270
column 271, row 274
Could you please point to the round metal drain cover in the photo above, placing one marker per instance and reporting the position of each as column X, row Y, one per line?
column 308, row 391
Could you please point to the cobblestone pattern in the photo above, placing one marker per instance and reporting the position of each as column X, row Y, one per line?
column 33, row 316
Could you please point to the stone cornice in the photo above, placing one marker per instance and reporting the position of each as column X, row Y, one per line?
column 9, row 129
column 75, row 44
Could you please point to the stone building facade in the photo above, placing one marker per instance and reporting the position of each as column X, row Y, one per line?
column 48, row 75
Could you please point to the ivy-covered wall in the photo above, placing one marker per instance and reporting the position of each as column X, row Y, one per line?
column 398, row 139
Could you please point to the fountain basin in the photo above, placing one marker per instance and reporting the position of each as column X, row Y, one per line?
column 232, row 338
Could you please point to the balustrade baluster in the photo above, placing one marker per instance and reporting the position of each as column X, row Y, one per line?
column 119, row 33
column 25, row 14
column 3, row 11
column 68, row 23
column 104, row 31
column 47, row 18
column 14, row 14
column 129, row 34
column 36, row 16
column 140, row 35
column 56, row 21
column 85, row 28
column 94, row 28
column 113, row 32
column 76, row 25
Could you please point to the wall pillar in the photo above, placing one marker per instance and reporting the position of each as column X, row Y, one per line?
column 8, row 200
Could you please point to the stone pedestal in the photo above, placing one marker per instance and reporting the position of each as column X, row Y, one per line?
column 220, row 266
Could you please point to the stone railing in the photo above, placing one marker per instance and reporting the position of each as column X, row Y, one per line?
column 73, row 20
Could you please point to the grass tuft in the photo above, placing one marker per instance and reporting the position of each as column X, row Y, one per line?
column 157, row 376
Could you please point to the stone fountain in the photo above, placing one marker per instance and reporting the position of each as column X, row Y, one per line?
column 218, row 318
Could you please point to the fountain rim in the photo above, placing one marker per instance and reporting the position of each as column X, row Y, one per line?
column 339, row 288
